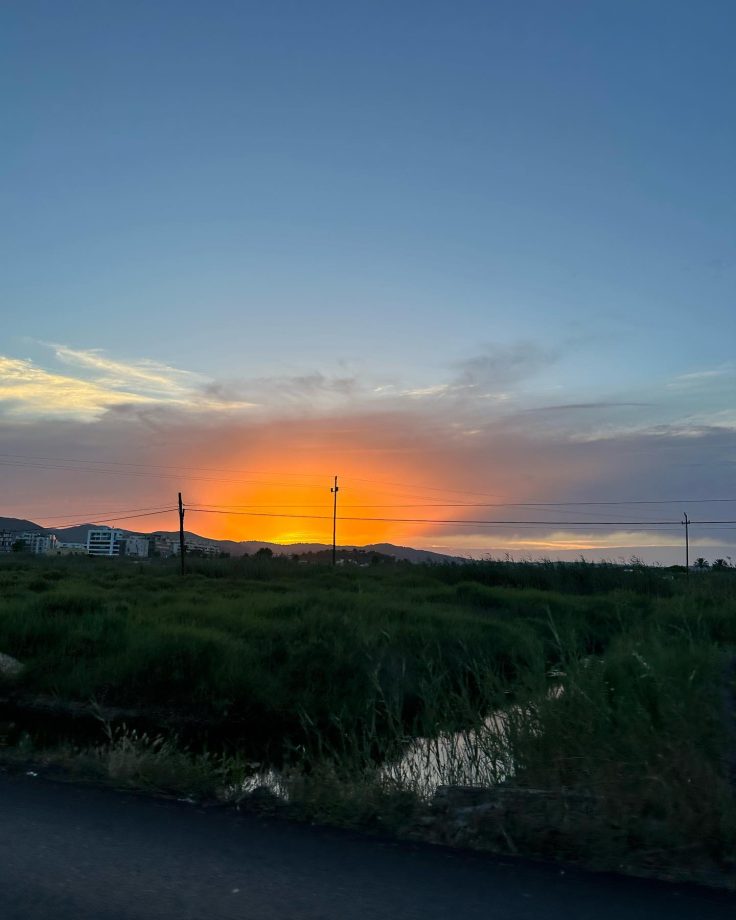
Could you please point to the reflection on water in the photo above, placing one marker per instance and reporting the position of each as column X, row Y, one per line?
column 476, row 757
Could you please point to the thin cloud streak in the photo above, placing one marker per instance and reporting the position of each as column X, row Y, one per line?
column 160, row 378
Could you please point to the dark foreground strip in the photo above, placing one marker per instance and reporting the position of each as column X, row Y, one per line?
column 79, row 853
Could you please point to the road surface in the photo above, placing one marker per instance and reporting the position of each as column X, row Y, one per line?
column 77, row 853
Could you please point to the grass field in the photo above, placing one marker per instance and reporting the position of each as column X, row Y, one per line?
column 616, row 686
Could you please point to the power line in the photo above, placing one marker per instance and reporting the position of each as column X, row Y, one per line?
column 301, row 505
column 80, row 518
column 160, row 466
column 57, row 463
column 128, row 517
column 390, row 520
column 414, row 486
column 7, row 460
column 71, row 469
column 663, row 501
column 534, row 505
column 219, row 470
column 84, row 516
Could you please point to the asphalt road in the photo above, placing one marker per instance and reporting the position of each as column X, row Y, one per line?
column 76, row 853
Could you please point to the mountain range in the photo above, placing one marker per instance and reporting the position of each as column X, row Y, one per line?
column 78, row 534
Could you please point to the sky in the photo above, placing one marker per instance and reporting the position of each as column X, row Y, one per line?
column 476, row 258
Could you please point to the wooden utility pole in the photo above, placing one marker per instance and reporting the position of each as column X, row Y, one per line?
column 181, row 533
column 334, row 491
column 686, row 522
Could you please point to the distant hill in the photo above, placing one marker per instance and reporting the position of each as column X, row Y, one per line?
column 78, row 534
column 248, row 547
column 18, row 524
column 411, row 554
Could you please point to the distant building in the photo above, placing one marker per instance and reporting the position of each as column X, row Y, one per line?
column 8, row 540
column 27, row 541
column 105, row 542
column 38, row 543
column 137, row 545
column 70, row 549
column 162, row 546
column 196, row 548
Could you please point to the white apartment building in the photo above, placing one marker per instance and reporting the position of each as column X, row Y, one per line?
column 105, row 542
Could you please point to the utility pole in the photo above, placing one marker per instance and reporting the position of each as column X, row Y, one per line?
column 181, row 533
column 334, row 491
column 686, row 522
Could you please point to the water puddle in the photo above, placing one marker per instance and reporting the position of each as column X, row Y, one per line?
column 476, row 757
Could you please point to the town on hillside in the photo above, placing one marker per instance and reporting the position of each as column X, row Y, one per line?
column 103, row 541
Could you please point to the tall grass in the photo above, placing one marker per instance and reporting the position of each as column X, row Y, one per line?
column 334, row 653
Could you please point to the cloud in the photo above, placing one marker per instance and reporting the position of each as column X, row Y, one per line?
column 87, row 383
column 484, row 390
column 490, row 375
column 617, row 539
column 301, row 393
column 589, row 406
column 314, row 386
column 149, row 375
column 698, row 378
column 500, row 366
column 436, row 389
column 32, row 392
column 100, row 385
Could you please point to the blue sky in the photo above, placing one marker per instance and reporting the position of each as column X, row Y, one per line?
column 259, row 193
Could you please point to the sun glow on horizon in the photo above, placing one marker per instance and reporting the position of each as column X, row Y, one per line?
column 291, row 501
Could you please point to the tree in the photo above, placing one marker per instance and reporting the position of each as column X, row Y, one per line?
column 701, row 563
column 721, row 564
column 265, row 552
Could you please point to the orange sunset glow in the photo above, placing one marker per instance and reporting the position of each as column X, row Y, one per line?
column 272, row 482
column 405, row 478
column 286, row 497
column 282, row 512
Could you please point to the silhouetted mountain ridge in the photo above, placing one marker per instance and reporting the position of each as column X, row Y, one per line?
column 78, row 534
column 18, row 525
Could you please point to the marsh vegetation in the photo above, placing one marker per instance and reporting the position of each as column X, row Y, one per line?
column 592, row 708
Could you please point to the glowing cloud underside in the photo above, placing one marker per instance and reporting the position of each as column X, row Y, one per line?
column 29, row 391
